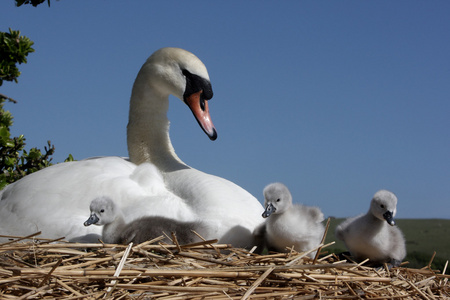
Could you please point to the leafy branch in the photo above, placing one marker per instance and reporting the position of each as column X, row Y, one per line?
column 15, row 162
column 14, row 50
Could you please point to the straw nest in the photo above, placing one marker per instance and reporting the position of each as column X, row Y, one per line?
column 32, row 268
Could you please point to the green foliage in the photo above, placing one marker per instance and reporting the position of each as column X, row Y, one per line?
column 419, row 260
column 14, row 50
column 15, row 162
column 32, row 2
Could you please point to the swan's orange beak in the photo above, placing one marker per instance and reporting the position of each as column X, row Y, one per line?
column 199, row 107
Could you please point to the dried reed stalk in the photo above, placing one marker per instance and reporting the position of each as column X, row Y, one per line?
column 205, row 270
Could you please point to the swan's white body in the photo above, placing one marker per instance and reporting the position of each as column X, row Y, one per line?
column 54, row 200
column 287, row 224
column 373, row 235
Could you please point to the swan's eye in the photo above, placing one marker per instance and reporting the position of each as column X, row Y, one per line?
column 102, row 210
column 195, row 84
column 382, row 205
column 278, row 200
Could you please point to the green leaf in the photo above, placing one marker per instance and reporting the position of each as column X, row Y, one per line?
column 69, row 158
column 4, row 135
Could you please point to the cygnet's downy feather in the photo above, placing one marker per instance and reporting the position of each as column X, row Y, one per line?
column 287, row 224
column 115, row 231
column 374, row 234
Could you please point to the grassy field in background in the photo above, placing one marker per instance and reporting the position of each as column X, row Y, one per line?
column 423, row 237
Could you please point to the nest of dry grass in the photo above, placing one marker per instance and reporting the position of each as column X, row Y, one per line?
column 32, row 268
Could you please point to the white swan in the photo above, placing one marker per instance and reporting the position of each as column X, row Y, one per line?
column 288, row 224
column 115, row 231
column 373, row 235
column 54, row 200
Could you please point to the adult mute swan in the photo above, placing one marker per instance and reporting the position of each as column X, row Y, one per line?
column 155, row 182
column 373, row 235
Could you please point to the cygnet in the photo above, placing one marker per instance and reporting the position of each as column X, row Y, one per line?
column 374, row 235
column 289, row 224
column 115, row 231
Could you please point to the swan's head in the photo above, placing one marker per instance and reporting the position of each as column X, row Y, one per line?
column 103, row 211
column 180, row 73
column 277, row 199
column 384, row 206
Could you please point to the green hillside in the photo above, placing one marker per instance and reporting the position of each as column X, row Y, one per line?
column 423, row 237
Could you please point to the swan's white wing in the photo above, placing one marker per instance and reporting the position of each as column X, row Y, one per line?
column 230, row 211
column 56, row 200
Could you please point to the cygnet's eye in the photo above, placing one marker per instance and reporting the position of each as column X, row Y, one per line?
column 382, row 205
column 278, row 200
column 102, row 210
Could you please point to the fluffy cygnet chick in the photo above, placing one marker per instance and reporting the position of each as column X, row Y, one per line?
column 289, row 224
column 115, row 231
column 374, row 235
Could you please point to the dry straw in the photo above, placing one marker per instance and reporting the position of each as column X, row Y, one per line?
column 32, row 268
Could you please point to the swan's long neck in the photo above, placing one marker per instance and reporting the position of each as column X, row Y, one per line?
column 112, row 231
column 148, row 128
column 373, row 223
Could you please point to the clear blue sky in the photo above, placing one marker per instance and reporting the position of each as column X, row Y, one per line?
column 336, row 99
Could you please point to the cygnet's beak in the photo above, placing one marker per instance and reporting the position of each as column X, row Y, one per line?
column 199, row 107
column 92, row 220
column 270, row 209
column 389, row 218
